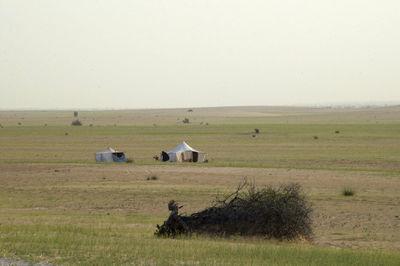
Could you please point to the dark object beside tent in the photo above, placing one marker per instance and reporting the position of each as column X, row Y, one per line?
column 164, row 156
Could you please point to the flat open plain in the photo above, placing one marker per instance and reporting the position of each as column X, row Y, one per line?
column 58, row 205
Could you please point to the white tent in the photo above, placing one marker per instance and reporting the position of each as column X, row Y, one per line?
column 184, row 153
column 110, row 155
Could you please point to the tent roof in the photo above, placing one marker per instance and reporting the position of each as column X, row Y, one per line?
column 183, row 147
column 108, row 150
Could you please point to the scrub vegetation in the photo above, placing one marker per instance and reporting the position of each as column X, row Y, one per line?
column 348, row 192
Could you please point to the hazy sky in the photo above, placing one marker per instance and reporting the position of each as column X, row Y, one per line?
column 146, row 54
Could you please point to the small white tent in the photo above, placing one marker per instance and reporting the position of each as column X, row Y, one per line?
column 110, row 155
column 184, row 153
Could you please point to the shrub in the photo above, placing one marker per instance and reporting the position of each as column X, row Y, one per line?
column 152, row 177
column 256, row 130
column 66, row 133
column 337, row 131
column 75, row 114
column 348, row 192
column 76, row 123
column 190, row 110
column 281, row 213
column 129, row 160
column 315, row 137
column 185, row 121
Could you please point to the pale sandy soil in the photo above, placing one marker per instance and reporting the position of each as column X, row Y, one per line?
column 215, row 115
column 14, row 262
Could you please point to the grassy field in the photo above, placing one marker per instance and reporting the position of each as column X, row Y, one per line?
column 57, row 205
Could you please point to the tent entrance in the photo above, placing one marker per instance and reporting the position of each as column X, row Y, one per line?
column 195, row 156
column 118, row 157
column 164, row 156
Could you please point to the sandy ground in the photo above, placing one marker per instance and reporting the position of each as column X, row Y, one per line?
column 275, row 114
column 370, row 219
column 12, row 262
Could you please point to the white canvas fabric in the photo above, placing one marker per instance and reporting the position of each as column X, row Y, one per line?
column 184, row 153
column 183, row 147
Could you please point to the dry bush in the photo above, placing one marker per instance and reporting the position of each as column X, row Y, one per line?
column 76, row 123
column 281, row 213
column 348, row 192
column 152, row 177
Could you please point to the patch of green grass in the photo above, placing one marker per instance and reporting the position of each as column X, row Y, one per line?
column 105, row 240
column 365, row 147
column 348, row 192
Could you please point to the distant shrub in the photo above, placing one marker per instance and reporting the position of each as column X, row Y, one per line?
column 19, row 123
column 90, row 125
column 66, row 133
column 45, row 125
column 206, row 161
column 348, row 192
column 256, row 130
column 190, row 110
column 337, row 131
column 185, row 121
column 75, row 114
column 129, row 160
column 254, row 135
column 152, row 177
column 76, row 123
column 315, row 137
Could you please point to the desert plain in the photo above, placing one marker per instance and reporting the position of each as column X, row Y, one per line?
column 57, row 205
